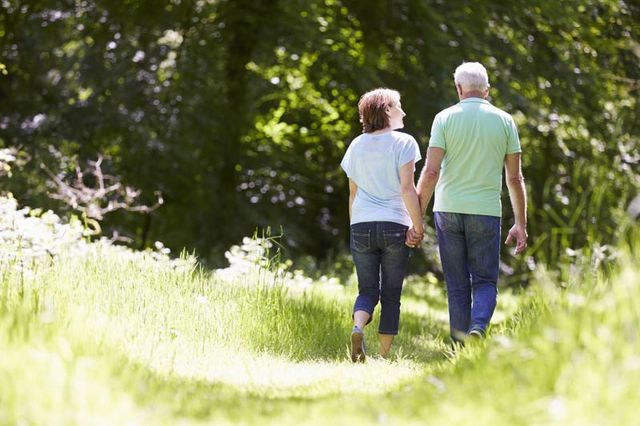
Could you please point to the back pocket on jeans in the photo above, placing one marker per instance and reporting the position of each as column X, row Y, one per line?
column 360, row 241
column 394, row 238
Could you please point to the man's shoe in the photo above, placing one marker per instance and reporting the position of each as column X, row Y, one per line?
column 357, row 345
column 476, row 334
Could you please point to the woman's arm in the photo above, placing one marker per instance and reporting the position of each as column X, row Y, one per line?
column 353, row 188
column 410, row 196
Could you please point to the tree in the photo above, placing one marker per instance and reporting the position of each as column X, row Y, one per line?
column 239, row 112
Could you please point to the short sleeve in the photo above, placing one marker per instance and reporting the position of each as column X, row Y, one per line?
column 346, row 161
column 513, row 143
column 437, row 134
column 410, row 152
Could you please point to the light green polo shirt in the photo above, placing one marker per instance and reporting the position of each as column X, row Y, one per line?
column 475, row 136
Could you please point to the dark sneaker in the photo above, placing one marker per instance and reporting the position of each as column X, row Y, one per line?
column 357, row 345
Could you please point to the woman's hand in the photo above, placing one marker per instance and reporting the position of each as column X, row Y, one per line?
column 413, row 237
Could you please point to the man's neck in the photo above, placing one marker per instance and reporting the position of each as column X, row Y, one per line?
column 472, row 94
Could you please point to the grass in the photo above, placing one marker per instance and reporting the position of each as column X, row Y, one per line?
column 112, row 337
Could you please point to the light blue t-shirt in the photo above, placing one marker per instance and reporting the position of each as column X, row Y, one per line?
column 373, row 162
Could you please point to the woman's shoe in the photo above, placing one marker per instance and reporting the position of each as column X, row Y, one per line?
column 357, row 345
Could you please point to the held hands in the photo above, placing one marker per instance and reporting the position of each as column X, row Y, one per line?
column 414, row 237
column 518, row 234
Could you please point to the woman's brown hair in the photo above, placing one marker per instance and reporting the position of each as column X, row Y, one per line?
column 372, row 108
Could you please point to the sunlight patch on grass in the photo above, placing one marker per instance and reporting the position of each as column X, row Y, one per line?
column 198, row 329
column 276, row 377
column 48, row 384
column 423, row 310
column 261, row 374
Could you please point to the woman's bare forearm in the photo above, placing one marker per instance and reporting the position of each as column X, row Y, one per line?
column 410, row 198
column 351, row 198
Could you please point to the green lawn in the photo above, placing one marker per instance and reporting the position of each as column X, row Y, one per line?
column 102, row 335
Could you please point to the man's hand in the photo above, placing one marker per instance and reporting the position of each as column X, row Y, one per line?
column 413, row 238
column 518, row 233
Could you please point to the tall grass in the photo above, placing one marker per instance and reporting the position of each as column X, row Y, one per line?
column 109, row 336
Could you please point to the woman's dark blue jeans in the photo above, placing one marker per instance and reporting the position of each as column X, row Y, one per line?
column 470, row 254
column 380, row 256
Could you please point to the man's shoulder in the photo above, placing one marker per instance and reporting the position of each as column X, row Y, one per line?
column 498, row 111
column 455, row 108
column 443, row 116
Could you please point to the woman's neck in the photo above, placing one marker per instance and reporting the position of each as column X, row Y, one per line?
column 381, row 131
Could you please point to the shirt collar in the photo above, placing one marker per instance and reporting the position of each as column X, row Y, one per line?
column 475, row 100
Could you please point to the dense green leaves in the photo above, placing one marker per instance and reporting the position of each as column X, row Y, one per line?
column 239, row 111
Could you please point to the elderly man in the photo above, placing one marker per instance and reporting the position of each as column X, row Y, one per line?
column 470, row 143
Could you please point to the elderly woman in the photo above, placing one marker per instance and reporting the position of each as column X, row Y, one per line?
column 383, row 207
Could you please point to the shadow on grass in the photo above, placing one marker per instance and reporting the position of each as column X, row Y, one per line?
column 303, row 328
column 422, row 340
column 189, row 397
column 314, row 328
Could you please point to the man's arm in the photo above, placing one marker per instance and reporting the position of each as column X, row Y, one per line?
column 518, row 197
column 353, row 188
column 429, row 176
column 410, row 197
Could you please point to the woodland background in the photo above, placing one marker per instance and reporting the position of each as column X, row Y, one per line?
column 236, row 113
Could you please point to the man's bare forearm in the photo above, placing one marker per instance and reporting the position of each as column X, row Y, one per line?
column 429, row 176
column 426, row 187
column 518, row 197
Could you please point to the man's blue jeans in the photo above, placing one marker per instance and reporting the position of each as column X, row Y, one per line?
column 380, row 256
column 470, row 254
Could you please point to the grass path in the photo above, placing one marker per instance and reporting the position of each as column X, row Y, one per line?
column 112, row 339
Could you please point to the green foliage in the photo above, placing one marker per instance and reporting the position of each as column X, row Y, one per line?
column 238, row 112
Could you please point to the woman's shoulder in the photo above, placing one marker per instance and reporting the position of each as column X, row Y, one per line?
column 354, row 142
column 403, row 137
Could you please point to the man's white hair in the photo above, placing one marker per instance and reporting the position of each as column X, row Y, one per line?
column 471, row 76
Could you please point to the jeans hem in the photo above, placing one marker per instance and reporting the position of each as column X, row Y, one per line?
column 363, row 310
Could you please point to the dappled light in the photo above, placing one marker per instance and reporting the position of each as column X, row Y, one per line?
column 175, row 222
column 104, row 318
